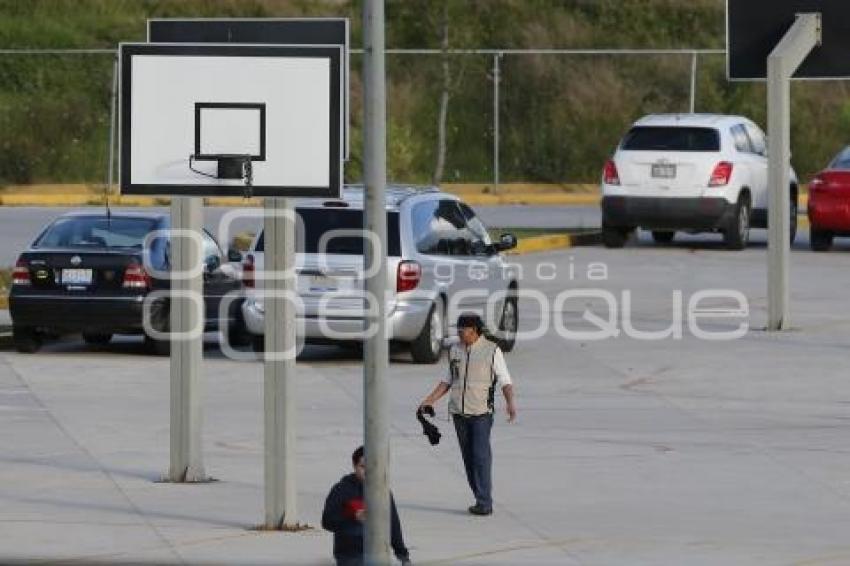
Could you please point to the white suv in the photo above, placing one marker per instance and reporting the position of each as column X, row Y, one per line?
column 689, row 172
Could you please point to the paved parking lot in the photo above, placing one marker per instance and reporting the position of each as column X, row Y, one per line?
column 627, row 451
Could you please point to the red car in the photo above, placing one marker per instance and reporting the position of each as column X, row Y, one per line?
column 829, row 202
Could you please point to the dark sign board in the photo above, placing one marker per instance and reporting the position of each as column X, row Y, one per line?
column 755, row 27
column 269, row 31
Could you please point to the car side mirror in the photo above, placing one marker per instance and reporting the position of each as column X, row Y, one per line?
column 506, row 242
column 234, row 255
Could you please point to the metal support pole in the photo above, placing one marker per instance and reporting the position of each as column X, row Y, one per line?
column 279, row 385
column 376, row 358
column 803, row 36
column 693, row 82
column 496, row 79
column 112, row 104
column 186, row 352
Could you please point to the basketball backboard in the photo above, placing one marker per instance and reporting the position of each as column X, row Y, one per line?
column 226, row 120
column 265, row 31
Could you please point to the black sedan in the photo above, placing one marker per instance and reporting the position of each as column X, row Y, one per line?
column 87, row 273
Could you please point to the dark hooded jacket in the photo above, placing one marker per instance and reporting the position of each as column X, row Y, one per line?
column 338, row 517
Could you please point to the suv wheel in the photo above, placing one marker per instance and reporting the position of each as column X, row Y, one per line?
column 614, row 237
column 27, row 340
column 663, row 237
column 508, row 324
column 96, row 338
column 737, row 234
column 820, row 240
column 427, row 347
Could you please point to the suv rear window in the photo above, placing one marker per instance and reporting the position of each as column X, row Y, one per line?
column 320, row 221
column 671, row 138
column 97, row 232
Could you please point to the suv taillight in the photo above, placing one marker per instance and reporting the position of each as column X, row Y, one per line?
column 408, row 277
column 248, row 271
column 135, row 277
column 721, row 174
column 610, row 176
column 21, row 273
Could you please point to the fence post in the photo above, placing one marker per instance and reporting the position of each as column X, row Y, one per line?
column 496, row 78
column 694, row 56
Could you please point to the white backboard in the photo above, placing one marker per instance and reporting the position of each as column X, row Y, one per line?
column 278, row 104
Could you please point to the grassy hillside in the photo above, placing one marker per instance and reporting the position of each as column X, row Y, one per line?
column 560, row 116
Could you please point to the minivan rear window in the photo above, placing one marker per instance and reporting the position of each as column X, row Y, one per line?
column 97, row 232
column 671, row 138
column 320, row 221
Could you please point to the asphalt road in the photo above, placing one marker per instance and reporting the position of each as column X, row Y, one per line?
column 20, row 225
column 627, row 450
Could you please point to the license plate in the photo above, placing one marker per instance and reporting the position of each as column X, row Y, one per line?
column 663, row 171
column 76, row 276
column 320, row 282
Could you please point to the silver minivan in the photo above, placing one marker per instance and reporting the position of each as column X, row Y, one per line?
column 441, row 262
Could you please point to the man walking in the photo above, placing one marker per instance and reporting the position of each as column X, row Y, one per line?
column 476, row 368
column 345, row 514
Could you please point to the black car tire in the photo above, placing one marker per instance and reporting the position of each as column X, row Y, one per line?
column 820, row 240
column 26, row 340
column 96, row 338
column 663, row 236
column 158, row 347
column 792, row 221
column 425, row 348
column 614, row 237
column 508, row 324
column 737, row 234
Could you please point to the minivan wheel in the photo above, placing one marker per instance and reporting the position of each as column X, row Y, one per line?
column 737, row 234
column 820, row 240
column 427, row 347
column 663, row 237
column 96, row 338
column 614, row 237
column 26, row 340
column 508, row 324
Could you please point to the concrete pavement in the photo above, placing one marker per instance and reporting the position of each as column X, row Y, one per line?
column 627, row 451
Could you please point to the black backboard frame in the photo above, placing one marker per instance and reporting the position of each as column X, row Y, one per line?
column 753, row 28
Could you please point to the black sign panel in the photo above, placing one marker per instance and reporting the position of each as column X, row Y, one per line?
column 754, row 27
column 268, row 31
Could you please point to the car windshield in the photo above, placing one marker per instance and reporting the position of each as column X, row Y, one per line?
column 842, row 160
column 671, row 138
column 319, row 222
column 96, row 232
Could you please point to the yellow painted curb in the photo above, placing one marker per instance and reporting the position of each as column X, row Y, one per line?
column 542, row 244
column 548, row 199
column 78, row 200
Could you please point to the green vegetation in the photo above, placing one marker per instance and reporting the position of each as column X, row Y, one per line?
column 5, row 280
column 560, row 116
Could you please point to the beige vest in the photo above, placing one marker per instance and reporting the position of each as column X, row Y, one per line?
column 472, row 378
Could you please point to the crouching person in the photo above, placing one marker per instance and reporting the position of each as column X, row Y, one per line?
column 345, row 515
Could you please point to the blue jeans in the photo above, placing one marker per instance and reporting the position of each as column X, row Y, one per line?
column 473, row 435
